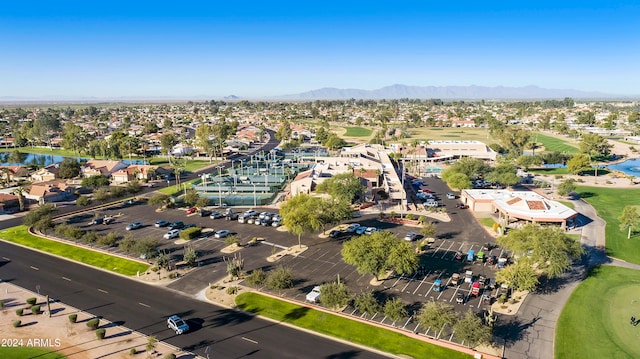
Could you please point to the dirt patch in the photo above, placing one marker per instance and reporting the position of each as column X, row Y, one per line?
column 291, row 251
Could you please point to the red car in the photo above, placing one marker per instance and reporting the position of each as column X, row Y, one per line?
column 192, row 210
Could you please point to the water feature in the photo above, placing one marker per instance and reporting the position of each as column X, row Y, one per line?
column 41, row 160
column 629, row 167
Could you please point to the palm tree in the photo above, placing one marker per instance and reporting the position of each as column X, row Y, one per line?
column 20, row 193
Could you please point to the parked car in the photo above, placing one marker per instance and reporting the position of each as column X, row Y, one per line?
column 176, row 225
column 353, row 227
column 437, row 285
column 204, row 213
column 410, row 236
column 361, row 230
column 174, row 233
column 161, row 223
column 108, row 220
column 178, row 325
column 276, row 223
column 215, row 215
column 370, row 230
column 222, row 233
column 231, row 216
column 455, row 279
column 450, row 195
column 98, row 220
column 460, row 297
column 314, row 295
column 335, row 233
column 471, row 255
column 134, row 225
column 430, row 203
column 251, row 213
column 192, row 210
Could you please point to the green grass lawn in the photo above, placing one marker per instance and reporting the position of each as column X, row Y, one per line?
column 21, row 235
column 25, row 352
column 357, row 132
column 452, row 133
column 609, row 203
column 550, row 171
column 595, row 321
column 553, row 144
column 487, row 222
column 339, row 327
column 173, row 190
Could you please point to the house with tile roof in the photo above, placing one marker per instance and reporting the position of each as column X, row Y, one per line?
column 51, row 191
column 133, row 172
column 101, row 167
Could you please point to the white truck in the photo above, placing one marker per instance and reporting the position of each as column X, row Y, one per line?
column 314, row 295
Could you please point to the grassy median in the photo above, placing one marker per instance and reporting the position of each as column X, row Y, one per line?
column 336, row 326
column 21, row 235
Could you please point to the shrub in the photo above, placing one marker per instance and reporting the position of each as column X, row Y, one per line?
column 232, row 290
column 410, row 216
column 100, row 333
column 393, row 214
column 2, row 304
column 109, row 240
column 35, row 309
column 257, row 277
column 93, row 323
column 170, row 356
column 31, row 301
column 17, row 323
column 116, row 191
column 133, row 351
column 502, row 299
column 231, row 240
column 73, row 318
column 19, row 312
column 190, row 233
column 90, row 237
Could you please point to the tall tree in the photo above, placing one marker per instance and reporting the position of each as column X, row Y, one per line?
column 300, row 215
column 343, row 187
column 629, row 219
column 378, row 253
column 470, row 330
column 595, row 145
column 549, row 248
column 579, row 163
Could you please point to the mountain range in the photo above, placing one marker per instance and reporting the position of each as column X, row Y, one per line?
column 448, row 93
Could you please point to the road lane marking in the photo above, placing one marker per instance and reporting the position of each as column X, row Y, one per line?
column 34, row 268
column 6, row 259
column 102, row 290
column 144, row 305
column 67, row 279
column 249, row 340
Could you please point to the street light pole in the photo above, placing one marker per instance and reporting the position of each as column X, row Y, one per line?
column 219, row 194
column 254, row 195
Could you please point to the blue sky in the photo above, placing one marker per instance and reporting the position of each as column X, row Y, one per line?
column 187, row 48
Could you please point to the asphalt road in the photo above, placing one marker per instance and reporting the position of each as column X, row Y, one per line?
column 144, row 308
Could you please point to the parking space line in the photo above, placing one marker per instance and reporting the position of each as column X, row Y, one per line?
column 437, row 249
column 409, row 281
column 422, row 282
column 447, row 252
column 407, row 322
column 397, row 280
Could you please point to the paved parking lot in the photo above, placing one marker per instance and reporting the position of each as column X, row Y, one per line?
column 322, row 262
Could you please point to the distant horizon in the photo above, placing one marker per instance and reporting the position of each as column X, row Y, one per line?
column 260, row 50
column 292, row 97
